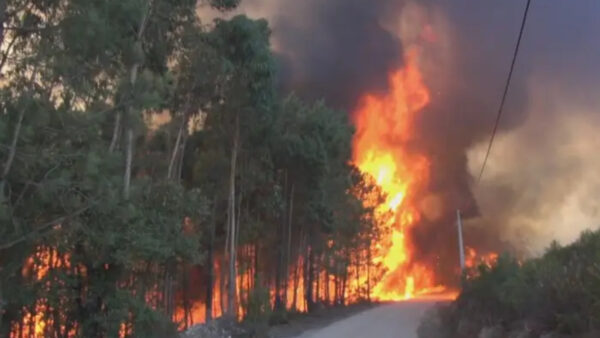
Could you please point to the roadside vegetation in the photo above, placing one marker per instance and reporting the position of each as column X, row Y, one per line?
column 556, row 295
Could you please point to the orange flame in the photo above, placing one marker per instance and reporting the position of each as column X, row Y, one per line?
column 36, row 319
column 473, row 259
column 385, row 126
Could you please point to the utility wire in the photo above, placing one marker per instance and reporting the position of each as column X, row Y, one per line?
column 500, row 110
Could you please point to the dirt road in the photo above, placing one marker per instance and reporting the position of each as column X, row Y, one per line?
column 394, row 320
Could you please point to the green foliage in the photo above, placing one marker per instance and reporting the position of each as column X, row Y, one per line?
column 556, row 292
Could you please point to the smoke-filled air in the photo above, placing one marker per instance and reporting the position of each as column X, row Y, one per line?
column 422, row 81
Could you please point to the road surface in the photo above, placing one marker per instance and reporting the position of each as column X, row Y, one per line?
column 394, row 320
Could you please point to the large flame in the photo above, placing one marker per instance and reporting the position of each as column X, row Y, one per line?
column 385, row 128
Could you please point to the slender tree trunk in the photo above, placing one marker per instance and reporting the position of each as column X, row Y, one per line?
column 231, row 308
column 325, row 282
column 309, row 280
column 222, row 278
column 169, row 289
column 128, row 164
column 176, row 148
column 358, row 274
column 116, row 132
column 224, row 262
column 11, row 153
column 297, row 268
column 288, row 250
column 129, row 111
column 318, row 267
column 186, row 296
column 181, row 158
column 345, row 280
column 236, row 254
column 2, row 19
column 256, row 275
column 210, row 276
column 279, row 254
column 369, row 272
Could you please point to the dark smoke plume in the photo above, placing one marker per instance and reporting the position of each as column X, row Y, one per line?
column 334, row 50
column 543, row 176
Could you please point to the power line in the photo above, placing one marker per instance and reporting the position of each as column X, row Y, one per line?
column 512, row 67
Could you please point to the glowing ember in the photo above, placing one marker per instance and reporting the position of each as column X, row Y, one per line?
column 384, row 128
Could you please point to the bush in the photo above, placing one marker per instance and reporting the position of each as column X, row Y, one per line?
column 558, row 292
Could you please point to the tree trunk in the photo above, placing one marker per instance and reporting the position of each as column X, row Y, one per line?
column 309, row 280
column 186, row 296
column 222, row 278
column 128, row 164
column 235, row 252
column 231, row 308
column 128, row 118
column 279, row 254
column 317, row 267
column 181, row 157
column 169, row 289
column 288, row 250
column 297, row 268
column 345, row 280
column 209, row 263
column 116, row 132
column 2, row 18
column 177, row 147
column 256, row 273
column 11, row 153
column 369, row 272
column 358, row 274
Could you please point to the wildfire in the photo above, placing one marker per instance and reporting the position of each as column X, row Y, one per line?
column 35, row 319
column 473, row 259
column 385, row 126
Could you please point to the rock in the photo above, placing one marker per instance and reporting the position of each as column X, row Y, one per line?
column 492, row 332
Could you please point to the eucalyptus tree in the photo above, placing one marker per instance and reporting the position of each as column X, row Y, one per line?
column 248, row 92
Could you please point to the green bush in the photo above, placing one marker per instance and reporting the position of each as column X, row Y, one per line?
column 558, row 292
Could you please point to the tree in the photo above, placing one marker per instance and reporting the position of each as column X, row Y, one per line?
column 88, row 229
column 244, row 45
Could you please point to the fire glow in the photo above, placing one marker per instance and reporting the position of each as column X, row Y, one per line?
column 385, row 125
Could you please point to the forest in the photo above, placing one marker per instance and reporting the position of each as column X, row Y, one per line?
column 154, row 176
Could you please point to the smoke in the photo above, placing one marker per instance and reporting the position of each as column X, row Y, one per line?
column 543, row 178
column 543, row 182
column 334, row 50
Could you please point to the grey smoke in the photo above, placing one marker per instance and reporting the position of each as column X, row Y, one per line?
column 543, row 180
